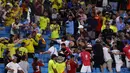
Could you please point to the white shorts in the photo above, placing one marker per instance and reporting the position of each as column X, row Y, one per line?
column 85, row 69
column 118, row 66
column 127, row 62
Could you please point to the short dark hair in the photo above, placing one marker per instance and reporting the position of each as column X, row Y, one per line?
column 35, row 59
column 121, row 18
column 23, row 44
column 23, row 57
column 28, row 34
column 53, row 43
column 63, row 44
column 71, row 56
column 64, row 37
column 125, row 42
column 7, row 51
column 53, row 56
column 84, row 47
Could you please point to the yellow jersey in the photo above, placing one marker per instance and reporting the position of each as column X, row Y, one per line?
column 51, row 66
column 55, row 4
column 2, row 48
column 60, row 67
column 22, row 51
column 12, row 49
column 29, row 45
column 44, row 21
column 54, row 30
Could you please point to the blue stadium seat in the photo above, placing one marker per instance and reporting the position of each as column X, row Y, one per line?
column 30, row 60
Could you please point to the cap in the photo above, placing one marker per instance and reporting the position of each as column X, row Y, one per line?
column 81, row 26
column 60, row 59
column 14, row 57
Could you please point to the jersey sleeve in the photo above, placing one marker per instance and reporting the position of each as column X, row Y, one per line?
column 8, row 65
column 26, row 51
column 40, row 64
column 19, row 68
column 58, row 41
column 34, row 42
column 50, row 49
column 54, row 66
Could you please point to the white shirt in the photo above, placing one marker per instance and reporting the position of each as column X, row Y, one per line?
column 117, row 57
column 66, row 43
column 118, row 19
column 16, row 26
column 53, row 50
column 24, row 65
column 107, row 55
column 54, row 16
column 105, row 2
column 14, row 66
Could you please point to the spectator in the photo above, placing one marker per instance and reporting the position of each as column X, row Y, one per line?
column 117, row 57
column 11, row 45
column 36, row 28
column 44, row 22
column 54, row 14
column 107, row 57
column 60, row 64
column 13, row 66
column 105, row 19
column 86, row 63
column 98, row 55
column 120, row 25
column 36, row 65
column 126, row 50
column 52, row 64
column 108, row 32
column 57, row 4
column 62, row 40
column 24, row 64
column 7, row 59
column 52, row 50
column 38, row 9
column 40, row 40
column 70, row 25
column 71, row 65
column 110, row 27
column 66, row 50
column 81, row 16
column 30, row 42
column 2, row 48
column 15, row 27
column 55, row 29
column 22, row 50
column 83, row 32
column 98, row 17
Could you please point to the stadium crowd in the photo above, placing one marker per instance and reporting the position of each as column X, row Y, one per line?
column 90, row 34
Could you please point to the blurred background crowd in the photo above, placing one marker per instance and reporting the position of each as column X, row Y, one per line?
column 78, row 35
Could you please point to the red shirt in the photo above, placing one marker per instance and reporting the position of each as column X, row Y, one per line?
column 99, row 26
column 36, row 67
column 73, row 66
column 85, row 57
column 67, row 51
column 38, row 8
column 128, row 5
column 127, row 51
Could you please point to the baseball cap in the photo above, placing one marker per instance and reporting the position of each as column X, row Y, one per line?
column 81, row 26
